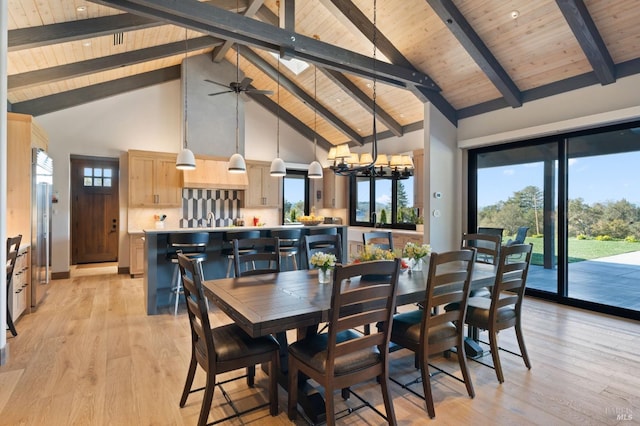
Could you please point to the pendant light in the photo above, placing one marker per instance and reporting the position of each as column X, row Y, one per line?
column 278, row 168
column 315, row 169
column 236, row 162
column 185, row 160
column 343, row 165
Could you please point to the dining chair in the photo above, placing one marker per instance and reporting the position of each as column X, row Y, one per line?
column 222, row 349
column 13, row 246
column 325, row 243
column 289, row 244
column 237, row 235
column 504, row 309
column 191, row 244
column 488, row 251
column 380, row 239
column 343, row 357
column 430, row 331
column 521, row 235
column 262, row 258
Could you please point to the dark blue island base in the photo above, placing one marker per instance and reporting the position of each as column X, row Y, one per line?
column 158, row 269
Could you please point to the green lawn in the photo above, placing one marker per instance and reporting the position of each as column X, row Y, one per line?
column 580, row 250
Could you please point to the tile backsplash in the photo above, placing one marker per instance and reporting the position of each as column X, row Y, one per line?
column 197, row 203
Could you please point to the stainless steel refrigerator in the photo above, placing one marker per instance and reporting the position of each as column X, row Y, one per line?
column 41, row 193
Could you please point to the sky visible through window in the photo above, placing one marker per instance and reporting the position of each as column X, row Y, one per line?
column 594, row 179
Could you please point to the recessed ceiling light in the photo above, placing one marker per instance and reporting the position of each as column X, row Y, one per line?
column 81, row 8
column 86, row 43
column 338, row 100
column 515, row 14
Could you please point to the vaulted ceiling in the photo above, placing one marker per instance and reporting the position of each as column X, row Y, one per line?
column 465, row 57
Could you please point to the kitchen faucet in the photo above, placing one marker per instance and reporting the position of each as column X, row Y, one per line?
column 211, row 220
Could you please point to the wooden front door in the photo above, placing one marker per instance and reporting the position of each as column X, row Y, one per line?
column 94, row 210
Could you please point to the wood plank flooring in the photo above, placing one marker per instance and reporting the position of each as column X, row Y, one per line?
column 91, row 356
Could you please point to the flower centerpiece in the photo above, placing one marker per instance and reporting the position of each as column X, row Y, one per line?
column 324, row 262
column 373, row 252
column 416, row 252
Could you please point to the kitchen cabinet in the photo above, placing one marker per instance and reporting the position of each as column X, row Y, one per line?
column 23, row 134
column 136, row 255
column 335, row 190
column 263, row 190
column 213, row 173
column 154, row 180
column 19, row 291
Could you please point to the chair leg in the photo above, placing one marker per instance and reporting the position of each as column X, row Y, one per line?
column 178, row 289
column 329, row 406
column 493, row 342
column 426, row 385
column 386, row 396
column 229, row 264
column 193, row 365
column 273, row 384
column 10, row 324
column 207, row 399
column 292, row 408
column 523, row 348
column 251, row 375
column 294, row 262
column 462, row 360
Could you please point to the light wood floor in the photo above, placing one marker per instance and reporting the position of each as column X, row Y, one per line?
column 91, row 356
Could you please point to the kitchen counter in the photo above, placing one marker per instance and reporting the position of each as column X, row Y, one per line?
column 158, row 270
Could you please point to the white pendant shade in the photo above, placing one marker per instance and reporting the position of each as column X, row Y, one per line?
column 315, row 170
column 237, row 164
column 278, row 167
column 186, row 160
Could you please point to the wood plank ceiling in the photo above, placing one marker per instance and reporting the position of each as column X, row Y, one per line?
column 466, row 57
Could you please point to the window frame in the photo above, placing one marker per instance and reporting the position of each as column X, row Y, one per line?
column 353, row 203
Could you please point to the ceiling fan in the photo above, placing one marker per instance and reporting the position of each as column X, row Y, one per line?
column 239, row 87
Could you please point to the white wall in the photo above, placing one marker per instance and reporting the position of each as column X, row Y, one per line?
column 589, row 107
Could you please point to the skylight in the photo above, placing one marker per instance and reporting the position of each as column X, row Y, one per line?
column 294, row 65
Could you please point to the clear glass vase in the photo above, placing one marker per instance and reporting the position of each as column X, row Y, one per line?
column 417, row 264
column 324, row 276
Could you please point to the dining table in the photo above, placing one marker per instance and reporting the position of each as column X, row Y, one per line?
column 274, row 303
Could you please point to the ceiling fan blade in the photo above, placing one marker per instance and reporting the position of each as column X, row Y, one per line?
column 259, row 92
column 220, row 93
column 245, row 83
column 215, row 82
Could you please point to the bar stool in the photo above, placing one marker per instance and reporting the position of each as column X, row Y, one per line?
column 289, row 244
column 191, row 244
column 237, row 235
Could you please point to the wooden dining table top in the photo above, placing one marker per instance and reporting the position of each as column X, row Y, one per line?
column 271, row 303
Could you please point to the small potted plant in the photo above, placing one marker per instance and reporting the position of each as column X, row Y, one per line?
column 419, row 224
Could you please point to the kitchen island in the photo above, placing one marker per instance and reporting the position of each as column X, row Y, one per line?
column 158, row 269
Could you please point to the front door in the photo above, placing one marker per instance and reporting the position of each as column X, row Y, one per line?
column 94, row 210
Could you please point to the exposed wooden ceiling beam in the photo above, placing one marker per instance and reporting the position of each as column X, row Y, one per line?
column 296, row 91
column 45, row 35
column 469, row 39
column 78, row 69
column 365, row 101
column 72, row 98
column 362, row 24
column 217, row 22
column 587, row 34
column 288, row 118
column 220, row 51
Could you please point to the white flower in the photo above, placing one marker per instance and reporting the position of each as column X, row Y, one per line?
column 323, row 260
column 415, row 251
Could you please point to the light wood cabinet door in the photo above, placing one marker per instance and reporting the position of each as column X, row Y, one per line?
column 136, row 255
column 335, row 190
column 154, row 180
column 264, row 190
column 214, row 174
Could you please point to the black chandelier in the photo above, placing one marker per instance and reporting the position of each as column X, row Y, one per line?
column 397, row 166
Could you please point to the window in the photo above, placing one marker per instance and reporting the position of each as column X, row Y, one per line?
column 295, row 196
column 392, row 201
column 97, row 176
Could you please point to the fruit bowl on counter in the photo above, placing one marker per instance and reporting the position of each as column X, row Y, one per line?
column 311, row 220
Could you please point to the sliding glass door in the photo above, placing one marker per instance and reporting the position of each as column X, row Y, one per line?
column 579, row 195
